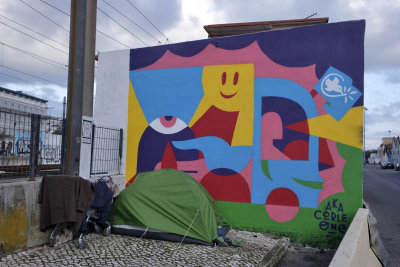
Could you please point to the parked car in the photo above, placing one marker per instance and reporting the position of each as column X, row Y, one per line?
column 398, row 166
column 387, row 165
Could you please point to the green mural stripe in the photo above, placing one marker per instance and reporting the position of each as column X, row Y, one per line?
column 315, row 185
column 302, row 229
column 352, row 174
column 264, row 166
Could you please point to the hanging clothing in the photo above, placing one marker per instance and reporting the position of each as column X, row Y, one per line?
column 64, row 199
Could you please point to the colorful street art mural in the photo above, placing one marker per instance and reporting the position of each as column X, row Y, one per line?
column 269, row 123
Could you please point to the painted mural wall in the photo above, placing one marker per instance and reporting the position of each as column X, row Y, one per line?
column 269, row 123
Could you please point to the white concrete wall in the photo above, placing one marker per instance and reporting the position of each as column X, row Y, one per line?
column 112, row 88
column 355, row 250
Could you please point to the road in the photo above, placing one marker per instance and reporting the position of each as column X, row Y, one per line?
column 382, row 193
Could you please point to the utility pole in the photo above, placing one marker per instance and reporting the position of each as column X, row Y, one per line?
column 80, row 77
column 64, row 106
column 364, row 159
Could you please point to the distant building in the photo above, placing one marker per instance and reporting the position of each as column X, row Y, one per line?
column 396, row 150
column 15, row 111
column 18, row 101
column 374, row 158
column 387, row 140
column 385, row 150
column 219, row 30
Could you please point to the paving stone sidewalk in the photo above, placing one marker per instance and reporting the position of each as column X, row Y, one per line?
column 130, row 251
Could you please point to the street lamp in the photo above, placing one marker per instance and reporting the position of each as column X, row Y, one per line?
column 365, row 109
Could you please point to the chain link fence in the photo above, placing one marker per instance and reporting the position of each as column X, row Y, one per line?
column 106, row 150
column 30, row 144
column 33, row 145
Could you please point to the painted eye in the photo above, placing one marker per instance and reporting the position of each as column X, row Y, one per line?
column 168, row 125
column 223, row 78
column 236, row 78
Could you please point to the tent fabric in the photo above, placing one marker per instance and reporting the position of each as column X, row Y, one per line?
column 142, row 232
column 168, row 200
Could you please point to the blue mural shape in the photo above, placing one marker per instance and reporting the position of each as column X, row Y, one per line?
column 179, row 97
column 284, row 173
column 218, row 153
column 336, row 87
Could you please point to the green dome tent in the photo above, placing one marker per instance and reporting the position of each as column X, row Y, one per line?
column 171, row 203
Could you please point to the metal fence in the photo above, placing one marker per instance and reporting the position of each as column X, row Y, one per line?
column 30, row 144
column 106, row 150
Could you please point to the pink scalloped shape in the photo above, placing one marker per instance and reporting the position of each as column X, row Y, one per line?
column 333, row 176
column 252, row 54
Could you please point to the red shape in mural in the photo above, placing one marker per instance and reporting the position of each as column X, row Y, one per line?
column 313, row 93
column 216, row 122
column 297, row 150
column 236, row 78
column 131, row 180
column 168, row 160
column 223, row 78
column 324, row 153
column 282, row 204
column 301, row 127
column 227, row 187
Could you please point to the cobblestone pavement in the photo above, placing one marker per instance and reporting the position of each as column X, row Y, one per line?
column 129, row 251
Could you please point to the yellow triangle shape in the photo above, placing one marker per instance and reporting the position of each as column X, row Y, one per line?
column 349, row 130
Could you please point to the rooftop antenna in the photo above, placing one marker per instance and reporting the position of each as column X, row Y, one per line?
column 312, row 15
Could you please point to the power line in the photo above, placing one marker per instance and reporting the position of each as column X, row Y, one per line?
column 44, row 16
column 131, row 21
column 47, row 60
column 147, row 19
column 5, row 74
column 54, row 7
column 33, row 37
column 33, row 76
column 65, row 13
column 34, row 31
column 120, row 25
column 112, row 38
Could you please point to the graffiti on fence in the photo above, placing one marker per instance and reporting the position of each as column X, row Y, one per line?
column 52, row 154
column 23, row 146
column 6, row 150
column 23, row 141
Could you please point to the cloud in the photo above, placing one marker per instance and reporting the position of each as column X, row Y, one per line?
column 380, row 120
column 195, row 14
column 165, row 17
column 392, row 76
column 182, row 21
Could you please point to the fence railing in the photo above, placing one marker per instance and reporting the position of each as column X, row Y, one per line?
column 106, row 150
column 30, row 144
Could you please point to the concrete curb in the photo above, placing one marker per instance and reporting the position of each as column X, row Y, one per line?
column 273, row 257
column 355, row 250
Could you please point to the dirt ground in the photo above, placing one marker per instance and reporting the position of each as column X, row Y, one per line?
column 298, row 255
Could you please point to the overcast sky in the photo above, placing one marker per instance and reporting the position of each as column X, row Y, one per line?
column 181, row 21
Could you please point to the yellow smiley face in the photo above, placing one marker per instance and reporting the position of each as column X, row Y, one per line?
column 229, row 87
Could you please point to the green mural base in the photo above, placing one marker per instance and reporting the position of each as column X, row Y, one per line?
column 323, row 227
